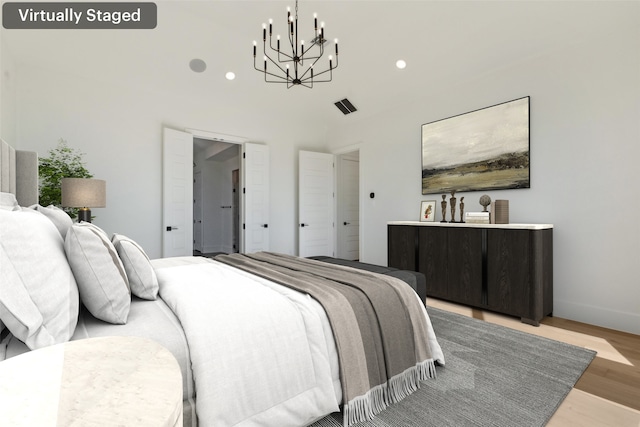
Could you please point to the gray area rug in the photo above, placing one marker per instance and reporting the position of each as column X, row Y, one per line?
column 494, row 376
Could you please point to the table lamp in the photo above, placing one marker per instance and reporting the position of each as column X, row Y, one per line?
column 84, row 193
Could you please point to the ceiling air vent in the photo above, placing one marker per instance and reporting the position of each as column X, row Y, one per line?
column 346, row 106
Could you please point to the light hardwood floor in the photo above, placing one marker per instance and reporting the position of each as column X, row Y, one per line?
column 608, row 393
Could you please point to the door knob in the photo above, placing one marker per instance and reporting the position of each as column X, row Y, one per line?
column 304, row 225
column 346, row 223
column 170, row 228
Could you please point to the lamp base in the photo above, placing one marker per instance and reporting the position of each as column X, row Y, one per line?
column 84, row 214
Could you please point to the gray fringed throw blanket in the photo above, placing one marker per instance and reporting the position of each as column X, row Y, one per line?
column 378, row 325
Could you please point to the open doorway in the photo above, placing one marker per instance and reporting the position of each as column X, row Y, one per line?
column 216, row 213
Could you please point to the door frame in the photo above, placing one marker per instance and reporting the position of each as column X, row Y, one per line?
column 230, row 139
column 245, row 145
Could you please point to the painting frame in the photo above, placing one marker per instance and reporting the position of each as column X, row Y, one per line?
column 481, row 150
column 428, row 211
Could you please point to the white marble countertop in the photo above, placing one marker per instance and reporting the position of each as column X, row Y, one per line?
column 472, row 225
column 92, row 382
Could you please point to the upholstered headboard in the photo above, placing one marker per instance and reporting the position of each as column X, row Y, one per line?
column 19, row 174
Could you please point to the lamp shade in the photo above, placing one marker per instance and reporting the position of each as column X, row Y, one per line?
column 84, row 193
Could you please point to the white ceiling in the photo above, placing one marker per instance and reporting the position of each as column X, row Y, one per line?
column 443, row 43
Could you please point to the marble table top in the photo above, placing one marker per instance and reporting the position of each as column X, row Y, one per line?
column 126, row 381
column 511, row 226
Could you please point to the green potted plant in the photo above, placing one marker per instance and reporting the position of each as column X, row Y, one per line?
column 63, row 162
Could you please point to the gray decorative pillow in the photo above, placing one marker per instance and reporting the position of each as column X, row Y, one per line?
column 39, row 298
column 8, row 202
column 141, row 275
column 60, row 218
column 101, row 278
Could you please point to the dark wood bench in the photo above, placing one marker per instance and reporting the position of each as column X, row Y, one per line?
column 415, row 279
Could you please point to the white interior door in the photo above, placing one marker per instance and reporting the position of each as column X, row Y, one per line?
column 177, row 193
column 315, row 204
column 255, row 209
column 348, row 228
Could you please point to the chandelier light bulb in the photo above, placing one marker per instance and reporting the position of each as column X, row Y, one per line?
column 401, row 64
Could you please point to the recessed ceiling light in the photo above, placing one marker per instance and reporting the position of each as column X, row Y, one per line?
column 197, row 65
column 401, row 64
column 230, row 75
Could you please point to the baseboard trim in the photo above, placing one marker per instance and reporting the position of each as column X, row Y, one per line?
column 598, row 316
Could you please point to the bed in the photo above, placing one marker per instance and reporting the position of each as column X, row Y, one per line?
column 262, row 339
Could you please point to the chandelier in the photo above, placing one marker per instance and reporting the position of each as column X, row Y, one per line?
column 290, row 68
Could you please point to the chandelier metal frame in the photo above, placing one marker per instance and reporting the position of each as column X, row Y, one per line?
column 295, row 75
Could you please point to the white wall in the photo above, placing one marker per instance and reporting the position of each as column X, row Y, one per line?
column 7, row 95
column 120, row 131
column 585, row 146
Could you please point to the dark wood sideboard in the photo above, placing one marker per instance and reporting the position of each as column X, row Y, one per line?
column 506, row 268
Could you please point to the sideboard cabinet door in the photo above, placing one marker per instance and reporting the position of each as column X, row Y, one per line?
column 451, row 260
column 401, row 247
column 520, row 273
column 509, row 271
column 465, row 257
column 433, row 256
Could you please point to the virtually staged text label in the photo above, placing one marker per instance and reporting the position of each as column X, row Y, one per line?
column 79, row 15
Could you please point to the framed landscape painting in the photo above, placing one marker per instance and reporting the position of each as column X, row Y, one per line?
column 486, row 149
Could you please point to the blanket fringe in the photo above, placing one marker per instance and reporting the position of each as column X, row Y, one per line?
column 427, row 369
column 365, row 407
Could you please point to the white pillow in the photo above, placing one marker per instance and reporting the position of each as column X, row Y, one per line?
column 8, row 202
column 141, row 275
column 60, row 218
column 38, row 293
column 101, row 278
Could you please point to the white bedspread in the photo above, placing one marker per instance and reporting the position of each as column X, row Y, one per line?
column 261, row 354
